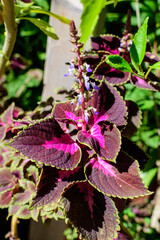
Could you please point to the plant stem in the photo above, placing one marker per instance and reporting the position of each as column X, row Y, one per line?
column 14, row 231
column 82, row 89
column 10, row 33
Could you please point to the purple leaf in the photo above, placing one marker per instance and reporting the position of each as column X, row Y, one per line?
column 120, row 203
column 151, row 57
column 134, row 151
column 7, row 180
column 108, row 43
column 46, row 142
column 118, row 180
column 3, row 130
column 23, row 212
column 67, row 112
column 23, row 197
column 141, row 83
column 5, row 199
column 12, row 210
column 109, row 105
column 52, row 183
column 134, row 119
column 124, row 236
column 6, row 117
column 103, row 138
column 91, row 212
column 6, row 121
column 111, row 75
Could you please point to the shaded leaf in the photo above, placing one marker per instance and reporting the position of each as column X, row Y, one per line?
column 134, row 151
column 91, row 212
column 122, row 234
column 134, row 119
column 46, row 142
column 52, row 183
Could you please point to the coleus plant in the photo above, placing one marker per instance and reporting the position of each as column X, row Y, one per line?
column 89, row 164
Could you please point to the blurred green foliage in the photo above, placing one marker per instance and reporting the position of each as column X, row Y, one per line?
column 31, row 45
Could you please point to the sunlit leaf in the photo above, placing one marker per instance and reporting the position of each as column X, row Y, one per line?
column 47, row 143
column 90, row 17
column 119, row 63
column 120, row 179
column 43, row 26
column 138, row 48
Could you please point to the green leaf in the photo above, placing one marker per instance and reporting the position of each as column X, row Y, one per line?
column 22, row 8
column 43, row 26
column 119, row 63
column 155, row 66
column 151, row 138
column 115, row 3
column 138, row 47
column 149, row 176
column 39, row 10
column 90, row 17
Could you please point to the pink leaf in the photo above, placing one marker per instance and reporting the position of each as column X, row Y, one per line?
column 119, row 180
column 103, row 138
column 46, row 142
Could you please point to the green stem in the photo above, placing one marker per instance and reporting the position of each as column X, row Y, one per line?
column 10, row 33
column 148, row 72
column 138, row 75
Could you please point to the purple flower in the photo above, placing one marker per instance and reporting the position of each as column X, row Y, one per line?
column 87, row 84
column 80, row 98
column 71, row 71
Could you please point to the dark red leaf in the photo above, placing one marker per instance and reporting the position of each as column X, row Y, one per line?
column 134, row 151
column 141, row 83
column 134, row 119
column 108, row 105
column 52, row 183
column 120, row 179
column 111, row 75
column 108, row 43
column 103, row 138
column 91, row 212
column 67, row 112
